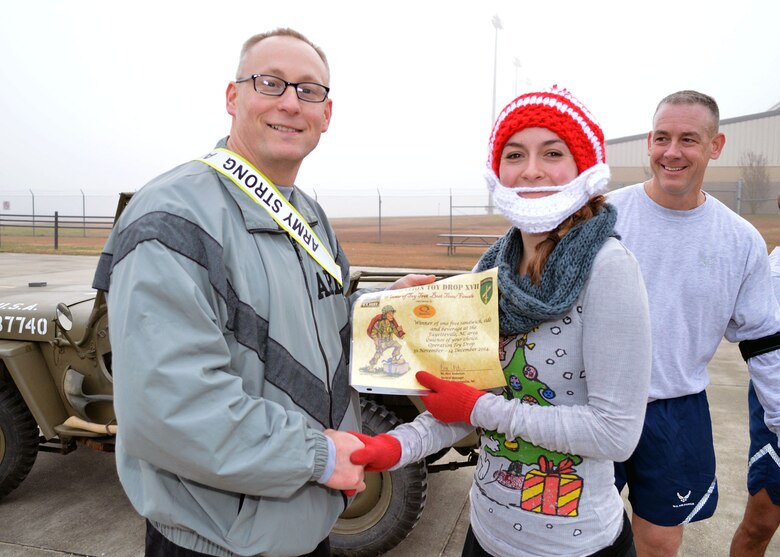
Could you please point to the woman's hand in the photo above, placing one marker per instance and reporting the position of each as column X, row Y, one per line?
column 380, row 453
column 407, row 281
column 448, row 401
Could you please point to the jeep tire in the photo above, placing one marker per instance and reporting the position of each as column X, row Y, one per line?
column 18, row 439
column 386, row 512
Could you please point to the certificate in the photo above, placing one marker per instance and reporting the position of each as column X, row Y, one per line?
column 448, row 328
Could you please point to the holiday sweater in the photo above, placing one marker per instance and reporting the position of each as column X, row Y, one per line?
column 573, row 404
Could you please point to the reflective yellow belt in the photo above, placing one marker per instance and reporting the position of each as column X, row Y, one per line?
column 263, row 192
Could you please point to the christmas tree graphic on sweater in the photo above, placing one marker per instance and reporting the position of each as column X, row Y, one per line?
column 551, row 487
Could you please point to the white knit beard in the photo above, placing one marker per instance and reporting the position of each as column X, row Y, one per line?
column 542, row 214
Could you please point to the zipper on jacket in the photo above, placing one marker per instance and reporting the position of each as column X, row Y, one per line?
column 317, row 329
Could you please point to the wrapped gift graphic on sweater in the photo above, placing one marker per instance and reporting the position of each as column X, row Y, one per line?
column 552, row 490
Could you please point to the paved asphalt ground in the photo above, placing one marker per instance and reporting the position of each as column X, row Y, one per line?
column 74, row 505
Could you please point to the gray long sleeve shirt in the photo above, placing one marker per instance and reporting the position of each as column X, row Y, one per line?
column 544, row 482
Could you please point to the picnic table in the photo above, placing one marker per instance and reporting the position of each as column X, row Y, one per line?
column 454, row 241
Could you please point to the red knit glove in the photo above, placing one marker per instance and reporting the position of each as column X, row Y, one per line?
column 379, row 454
column 449, row 401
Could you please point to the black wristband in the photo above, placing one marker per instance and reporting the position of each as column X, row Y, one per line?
column 750, row 348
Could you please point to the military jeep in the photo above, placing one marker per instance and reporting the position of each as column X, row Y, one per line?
column 56, row 396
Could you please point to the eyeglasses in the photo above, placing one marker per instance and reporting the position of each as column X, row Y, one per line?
column 276, row 86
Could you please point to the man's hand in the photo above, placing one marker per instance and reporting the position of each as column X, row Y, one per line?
column 379, row 454
column 346, row 476
column 448, row 401
column 407, row 281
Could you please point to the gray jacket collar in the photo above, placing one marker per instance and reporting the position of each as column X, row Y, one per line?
column 255, row 216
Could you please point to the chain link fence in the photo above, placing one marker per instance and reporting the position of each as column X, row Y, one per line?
column 47, row 213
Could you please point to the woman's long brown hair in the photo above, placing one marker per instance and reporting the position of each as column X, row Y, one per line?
column 546, row 246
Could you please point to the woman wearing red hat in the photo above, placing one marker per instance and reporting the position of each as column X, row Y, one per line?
column 575, row 349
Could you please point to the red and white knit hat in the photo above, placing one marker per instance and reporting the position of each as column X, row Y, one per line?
column 557, row 110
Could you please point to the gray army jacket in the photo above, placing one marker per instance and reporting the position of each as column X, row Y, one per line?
column 230, row 347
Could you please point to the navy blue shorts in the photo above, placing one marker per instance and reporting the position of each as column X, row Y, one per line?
column 763, row 457
column 671, row 475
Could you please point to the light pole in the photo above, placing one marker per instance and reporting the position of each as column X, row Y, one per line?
column 496, row 21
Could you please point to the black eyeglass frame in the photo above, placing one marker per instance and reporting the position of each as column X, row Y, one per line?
column 287, row 84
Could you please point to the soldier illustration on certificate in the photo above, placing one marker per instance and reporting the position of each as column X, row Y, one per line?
column 382, row 329
column 448, row 328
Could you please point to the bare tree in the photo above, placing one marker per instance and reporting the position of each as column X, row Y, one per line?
column 752, row 167
column 646, row 171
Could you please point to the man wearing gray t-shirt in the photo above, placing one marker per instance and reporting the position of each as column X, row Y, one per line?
column 707, row 276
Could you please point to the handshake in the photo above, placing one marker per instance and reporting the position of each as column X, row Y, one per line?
column 357, row 453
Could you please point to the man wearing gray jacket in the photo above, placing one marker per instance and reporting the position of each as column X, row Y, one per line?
column 230, row 330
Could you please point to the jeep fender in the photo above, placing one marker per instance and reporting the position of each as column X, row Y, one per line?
column 29, row 372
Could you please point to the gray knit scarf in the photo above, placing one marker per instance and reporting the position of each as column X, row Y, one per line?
column 522, row 305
